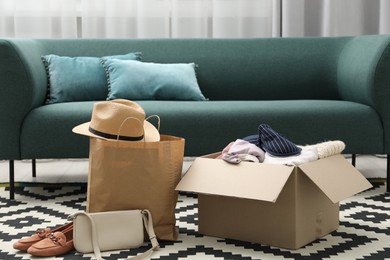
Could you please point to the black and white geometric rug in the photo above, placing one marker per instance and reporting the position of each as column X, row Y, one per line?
column 364, row 231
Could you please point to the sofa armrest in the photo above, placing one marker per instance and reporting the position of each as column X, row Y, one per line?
column 23, row 86
column 364, row 76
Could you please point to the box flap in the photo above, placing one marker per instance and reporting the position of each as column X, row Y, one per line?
column 245, row 180
column 336, row 177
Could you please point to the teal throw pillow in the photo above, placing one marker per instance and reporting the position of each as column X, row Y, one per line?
column 137, row 80
column 78, row 78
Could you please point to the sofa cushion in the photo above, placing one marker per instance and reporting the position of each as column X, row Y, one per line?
column 209, row 126
column 148, row 81
column 77, row 78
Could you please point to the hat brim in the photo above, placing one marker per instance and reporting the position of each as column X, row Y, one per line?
column 151, row 134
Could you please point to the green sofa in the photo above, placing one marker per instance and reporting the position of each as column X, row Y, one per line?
column 309, row 89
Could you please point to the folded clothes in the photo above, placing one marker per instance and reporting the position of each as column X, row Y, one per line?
column 242, row 150
column 277, row 149
column 308, row 154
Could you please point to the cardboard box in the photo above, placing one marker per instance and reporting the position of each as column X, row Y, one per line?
column 278, row 205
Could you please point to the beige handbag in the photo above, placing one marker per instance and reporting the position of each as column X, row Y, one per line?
column 112, row 230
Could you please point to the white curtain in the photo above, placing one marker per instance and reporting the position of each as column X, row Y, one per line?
column 125, row 18
column 139, row 18
column 178, row 18
column 192, row 18
column 335, row 17
column 240, row 19
column 38, row 18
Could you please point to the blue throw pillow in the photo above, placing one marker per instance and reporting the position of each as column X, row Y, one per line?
column 137, row 80
column 78, row 78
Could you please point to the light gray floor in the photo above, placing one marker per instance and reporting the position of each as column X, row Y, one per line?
column 76, row 170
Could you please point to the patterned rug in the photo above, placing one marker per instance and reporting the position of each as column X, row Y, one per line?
column 364, row 231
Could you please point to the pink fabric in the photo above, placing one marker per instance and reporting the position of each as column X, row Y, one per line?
column 237, row 151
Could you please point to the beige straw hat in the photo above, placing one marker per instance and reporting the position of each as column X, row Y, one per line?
column 118, row 119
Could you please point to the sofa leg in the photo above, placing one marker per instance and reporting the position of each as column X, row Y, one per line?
column 354, row 160
column 11, row 180
column 34, row 168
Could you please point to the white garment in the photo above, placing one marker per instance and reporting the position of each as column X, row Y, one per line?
column 308, row 154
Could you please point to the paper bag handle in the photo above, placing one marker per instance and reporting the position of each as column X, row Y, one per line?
column 139, row 121
column 158, row 120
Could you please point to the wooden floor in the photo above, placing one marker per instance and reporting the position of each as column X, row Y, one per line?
column 76, row 170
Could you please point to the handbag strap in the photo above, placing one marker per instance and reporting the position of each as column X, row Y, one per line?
column 148, row 223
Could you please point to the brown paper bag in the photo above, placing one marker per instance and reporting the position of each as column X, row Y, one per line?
column 137, row 175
